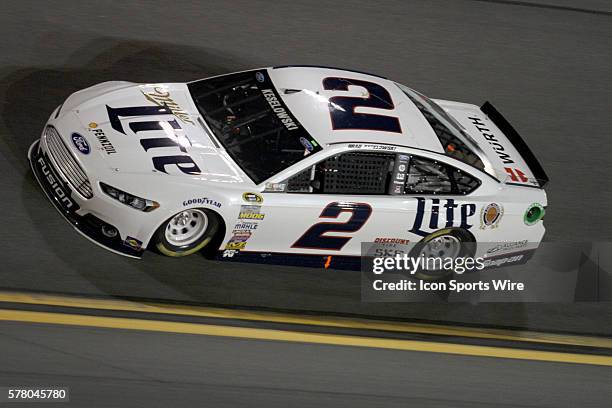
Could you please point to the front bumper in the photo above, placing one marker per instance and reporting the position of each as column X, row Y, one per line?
column 60, row 194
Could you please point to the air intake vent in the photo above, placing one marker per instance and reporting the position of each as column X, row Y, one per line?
column 67, row 164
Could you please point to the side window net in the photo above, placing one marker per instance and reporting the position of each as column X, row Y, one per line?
column 380, row 174
column 301, row 182
column 346, row 173
column 355, row 173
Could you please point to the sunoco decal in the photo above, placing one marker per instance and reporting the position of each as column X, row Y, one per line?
column 133, row 243
column 238, row 240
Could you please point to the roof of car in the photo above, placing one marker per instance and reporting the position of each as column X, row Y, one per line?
column 303, row 91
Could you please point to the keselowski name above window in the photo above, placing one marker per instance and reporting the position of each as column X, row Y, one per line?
column 278, row 109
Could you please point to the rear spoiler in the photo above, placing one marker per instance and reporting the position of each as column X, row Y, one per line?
column 517, row 141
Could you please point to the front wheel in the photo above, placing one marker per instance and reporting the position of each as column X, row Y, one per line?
column 187, row 232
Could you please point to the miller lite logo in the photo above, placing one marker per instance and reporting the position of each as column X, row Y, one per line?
column 434, row 213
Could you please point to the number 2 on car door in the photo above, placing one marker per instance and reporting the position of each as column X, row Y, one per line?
column 315, row 237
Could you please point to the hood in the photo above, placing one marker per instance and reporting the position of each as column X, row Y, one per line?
column 149, row 128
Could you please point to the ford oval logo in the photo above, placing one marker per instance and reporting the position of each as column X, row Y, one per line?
column 306, row 143
column 80, row 143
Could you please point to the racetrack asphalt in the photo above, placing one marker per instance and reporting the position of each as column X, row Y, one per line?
column 547, row 69
column 111, row 367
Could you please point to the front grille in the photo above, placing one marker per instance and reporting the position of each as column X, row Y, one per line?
column 67, row 164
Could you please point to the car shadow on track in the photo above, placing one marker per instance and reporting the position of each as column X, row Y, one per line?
column 31, row 94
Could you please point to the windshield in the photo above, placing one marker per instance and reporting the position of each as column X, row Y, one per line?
column 455, row 141
column 250, row 120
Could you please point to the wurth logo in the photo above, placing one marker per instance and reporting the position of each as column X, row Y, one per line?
column 493, row 141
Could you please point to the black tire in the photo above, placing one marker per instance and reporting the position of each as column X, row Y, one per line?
column 466, row 249
column 167, row 245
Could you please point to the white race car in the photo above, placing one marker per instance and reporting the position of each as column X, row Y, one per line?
column 291, row 163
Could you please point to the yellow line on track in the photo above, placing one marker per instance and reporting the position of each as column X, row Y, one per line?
column 325, row 321
column 299, row 337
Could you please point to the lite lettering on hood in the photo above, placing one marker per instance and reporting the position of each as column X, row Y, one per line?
column 278, row 109
column 182, row 162
column 162, row 98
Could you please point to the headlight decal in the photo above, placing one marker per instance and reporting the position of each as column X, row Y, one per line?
column 138, row 203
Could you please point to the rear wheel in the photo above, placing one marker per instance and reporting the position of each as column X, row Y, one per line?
column 446, row 243
column 187, row 232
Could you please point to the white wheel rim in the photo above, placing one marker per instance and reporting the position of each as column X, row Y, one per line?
column 186, row 227
column 446, row 246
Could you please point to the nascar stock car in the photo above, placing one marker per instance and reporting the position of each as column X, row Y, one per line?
column 296, row 162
